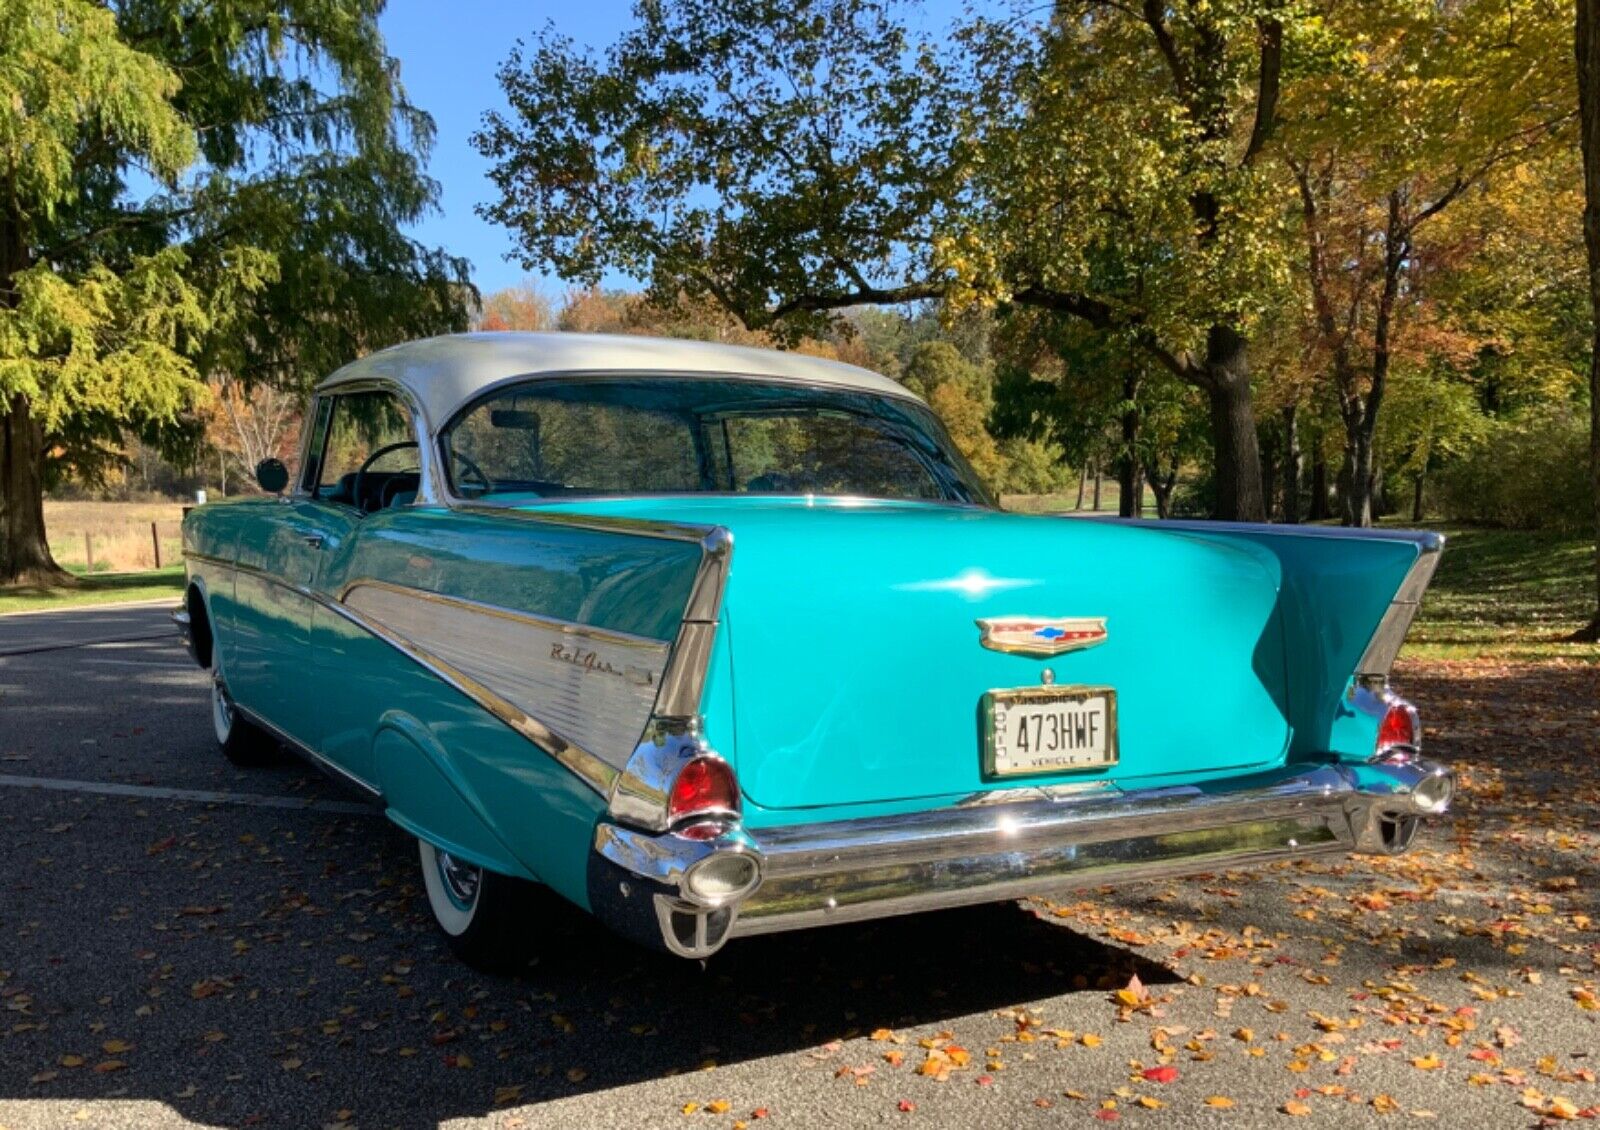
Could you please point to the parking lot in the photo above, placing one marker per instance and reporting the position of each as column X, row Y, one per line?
column 185, row 942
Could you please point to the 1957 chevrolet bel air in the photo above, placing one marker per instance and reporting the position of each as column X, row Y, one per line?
column 718, row 641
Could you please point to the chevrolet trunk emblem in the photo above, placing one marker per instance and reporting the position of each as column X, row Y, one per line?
column 1034, row 635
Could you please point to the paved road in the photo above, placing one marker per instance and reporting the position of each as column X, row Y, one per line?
column 186, row 943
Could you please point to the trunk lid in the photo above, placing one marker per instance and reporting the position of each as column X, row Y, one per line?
column 856, row 667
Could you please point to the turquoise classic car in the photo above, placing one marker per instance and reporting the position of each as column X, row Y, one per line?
column 718, row 641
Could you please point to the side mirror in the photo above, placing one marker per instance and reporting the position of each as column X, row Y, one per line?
column 272, row 475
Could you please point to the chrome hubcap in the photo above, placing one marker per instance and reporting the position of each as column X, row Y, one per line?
column 221, row 707
column 461, row 880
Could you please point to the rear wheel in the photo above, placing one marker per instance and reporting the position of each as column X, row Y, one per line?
column 485, row 916
column 242, row 742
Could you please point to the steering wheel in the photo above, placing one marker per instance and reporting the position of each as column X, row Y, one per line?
column 361, row 474
column 472, row 468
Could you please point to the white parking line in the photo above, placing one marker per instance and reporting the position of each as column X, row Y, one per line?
column 149, row 663
column 199, row 796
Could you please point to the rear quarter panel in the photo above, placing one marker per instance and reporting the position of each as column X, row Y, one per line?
column 449, row 769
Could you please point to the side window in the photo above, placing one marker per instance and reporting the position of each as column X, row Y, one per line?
column 549, row 445
column 316, row 440
column 369, row 457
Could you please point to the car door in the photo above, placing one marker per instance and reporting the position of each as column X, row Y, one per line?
column 279, row 558
column 363, row 475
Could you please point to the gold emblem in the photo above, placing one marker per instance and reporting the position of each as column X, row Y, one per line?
column 1038, row 635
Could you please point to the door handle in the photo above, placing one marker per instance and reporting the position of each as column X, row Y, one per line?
column 313, row 540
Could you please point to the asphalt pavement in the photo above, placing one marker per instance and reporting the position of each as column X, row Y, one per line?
column 183, row 942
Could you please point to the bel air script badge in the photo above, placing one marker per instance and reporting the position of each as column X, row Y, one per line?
column 1034, row 635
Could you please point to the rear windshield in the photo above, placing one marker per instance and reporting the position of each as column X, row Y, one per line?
column 690, row 435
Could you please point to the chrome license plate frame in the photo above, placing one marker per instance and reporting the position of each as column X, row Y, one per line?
column 999, row 759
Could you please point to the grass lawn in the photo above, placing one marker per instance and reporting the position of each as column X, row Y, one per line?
column 1508, row 595
column 102, row 588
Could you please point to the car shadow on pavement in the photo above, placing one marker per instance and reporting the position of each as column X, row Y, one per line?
column 296, row 979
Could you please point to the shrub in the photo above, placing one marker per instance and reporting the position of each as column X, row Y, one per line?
column 1529, row 473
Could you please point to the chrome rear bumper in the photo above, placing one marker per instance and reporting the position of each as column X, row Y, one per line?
column 845, row 871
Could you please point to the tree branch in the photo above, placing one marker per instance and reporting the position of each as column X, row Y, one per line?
column 1267, row 87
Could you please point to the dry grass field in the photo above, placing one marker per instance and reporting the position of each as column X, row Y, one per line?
column 116, row 533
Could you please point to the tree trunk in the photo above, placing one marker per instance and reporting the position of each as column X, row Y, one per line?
column 1319, row 484
column 1161, row 485
column 24, row 553
column 1098, row 475
column 1083, row 480
column 1233, row 427
column 1587, row 49
column 1291, row 465
column 1130, row 488
column 1268, row 448
column 1416, row 496
column 1356, row 481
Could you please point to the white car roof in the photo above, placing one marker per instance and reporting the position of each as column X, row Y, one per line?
column 443, row 373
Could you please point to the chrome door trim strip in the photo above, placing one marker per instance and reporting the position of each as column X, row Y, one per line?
column 589, row 768
column 311, row 755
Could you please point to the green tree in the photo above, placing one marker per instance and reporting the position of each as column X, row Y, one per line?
column 963, row 396
column 270, row 247
column 1408, row 108
column 795, row 160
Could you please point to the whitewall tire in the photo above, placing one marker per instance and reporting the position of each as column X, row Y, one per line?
column 486, row 917
column 241, row 741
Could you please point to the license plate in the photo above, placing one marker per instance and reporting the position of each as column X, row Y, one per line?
column 1049, row 730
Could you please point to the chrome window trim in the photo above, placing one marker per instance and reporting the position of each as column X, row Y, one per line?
column 428, row 490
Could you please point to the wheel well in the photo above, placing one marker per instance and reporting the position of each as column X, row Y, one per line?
column 199, row 625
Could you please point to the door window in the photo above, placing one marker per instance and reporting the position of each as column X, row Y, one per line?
column 370, row 458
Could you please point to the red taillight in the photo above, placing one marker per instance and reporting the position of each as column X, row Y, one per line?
column 704, row 787
column 1400, row 728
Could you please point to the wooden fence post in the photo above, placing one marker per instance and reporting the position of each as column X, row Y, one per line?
column 88, row 552
column 155, row 540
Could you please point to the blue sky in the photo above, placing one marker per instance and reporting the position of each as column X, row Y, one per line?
column 449, row 51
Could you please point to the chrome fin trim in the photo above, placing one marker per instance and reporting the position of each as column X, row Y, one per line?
column 1392, row 630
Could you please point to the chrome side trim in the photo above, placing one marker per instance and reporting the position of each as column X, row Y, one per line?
column 683, row 682
column 338, row 772
column 1391, row 632
column 500, row 612
column 602, row 523
column 672, row 736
